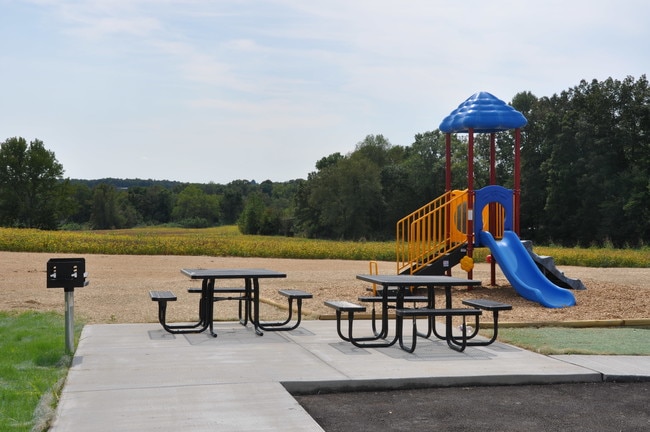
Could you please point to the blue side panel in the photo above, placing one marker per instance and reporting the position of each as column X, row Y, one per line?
column 522, row 273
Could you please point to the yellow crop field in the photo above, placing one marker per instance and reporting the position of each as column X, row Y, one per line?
column 228, row 241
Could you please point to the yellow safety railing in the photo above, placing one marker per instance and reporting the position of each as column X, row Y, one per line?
column 435, row 229
column 438, row 228
column 373, row 271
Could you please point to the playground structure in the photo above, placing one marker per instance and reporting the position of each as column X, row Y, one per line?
column 444, row 233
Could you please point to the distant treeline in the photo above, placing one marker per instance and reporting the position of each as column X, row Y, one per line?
column 585, row 180
column 129, row 183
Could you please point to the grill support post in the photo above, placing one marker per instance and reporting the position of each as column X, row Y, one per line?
column 69, row 321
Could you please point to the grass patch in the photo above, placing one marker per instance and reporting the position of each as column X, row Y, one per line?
column 32, row 364
column 594, row 341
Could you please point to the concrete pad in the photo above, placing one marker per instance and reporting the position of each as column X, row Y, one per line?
column 209, row 408
column 130, row 377
column 613, row 368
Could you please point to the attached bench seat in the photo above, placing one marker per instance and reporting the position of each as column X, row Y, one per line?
column 162, row 297
column 342, row 306
column 452, row 341
column 486, row 304
column 491, row 306
column 295, row 294
column 291, row 295
column 376, row 341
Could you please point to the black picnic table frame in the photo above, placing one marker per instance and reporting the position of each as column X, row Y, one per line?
column 403, row 283
column 251, row 277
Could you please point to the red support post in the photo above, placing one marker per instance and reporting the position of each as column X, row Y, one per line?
column 493, row 206
column 447, row 162
column 470, row 197
column 448, row 188
column 517, row 191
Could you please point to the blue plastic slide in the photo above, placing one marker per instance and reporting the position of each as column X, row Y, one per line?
column 522, row 272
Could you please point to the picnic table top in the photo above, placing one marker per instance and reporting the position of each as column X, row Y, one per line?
column 221, row 273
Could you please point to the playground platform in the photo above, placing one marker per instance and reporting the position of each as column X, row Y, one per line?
column 136, row 377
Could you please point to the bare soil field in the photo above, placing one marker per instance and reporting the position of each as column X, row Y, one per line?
column 119, row 287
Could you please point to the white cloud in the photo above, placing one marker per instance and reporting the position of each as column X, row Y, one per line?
column 267, row 87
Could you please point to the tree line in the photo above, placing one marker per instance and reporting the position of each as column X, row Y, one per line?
column 585, row 179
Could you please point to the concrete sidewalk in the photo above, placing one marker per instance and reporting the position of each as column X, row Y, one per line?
column 136, row 377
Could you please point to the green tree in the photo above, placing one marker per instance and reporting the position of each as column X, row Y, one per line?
column 589, row 148
column 154, row 203
column 425, row 167
column 82, row 197
column 106, row 212
column 535, row 150
column 32, row 190
column 196, row 208
column 233, row 200
column 254, row 218
column 343, row 200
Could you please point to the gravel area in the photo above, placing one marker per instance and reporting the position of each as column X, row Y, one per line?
column 119, row 286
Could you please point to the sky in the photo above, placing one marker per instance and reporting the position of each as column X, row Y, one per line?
column 222, row 90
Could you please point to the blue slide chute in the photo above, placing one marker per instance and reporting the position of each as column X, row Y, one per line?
column 522, row 272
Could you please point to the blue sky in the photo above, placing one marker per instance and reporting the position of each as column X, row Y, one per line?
column 215, row 91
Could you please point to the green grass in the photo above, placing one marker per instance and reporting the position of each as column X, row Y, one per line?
column 32, row 362
column 227, row 241
column 595, row 341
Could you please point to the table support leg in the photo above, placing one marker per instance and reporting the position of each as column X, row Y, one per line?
column 207, row 293
column 256, row 304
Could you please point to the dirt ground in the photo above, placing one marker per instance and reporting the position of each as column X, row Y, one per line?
column 119, row 286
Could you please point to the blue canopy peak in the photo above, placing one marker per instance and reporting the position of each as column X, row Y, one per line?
column 484, row 113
